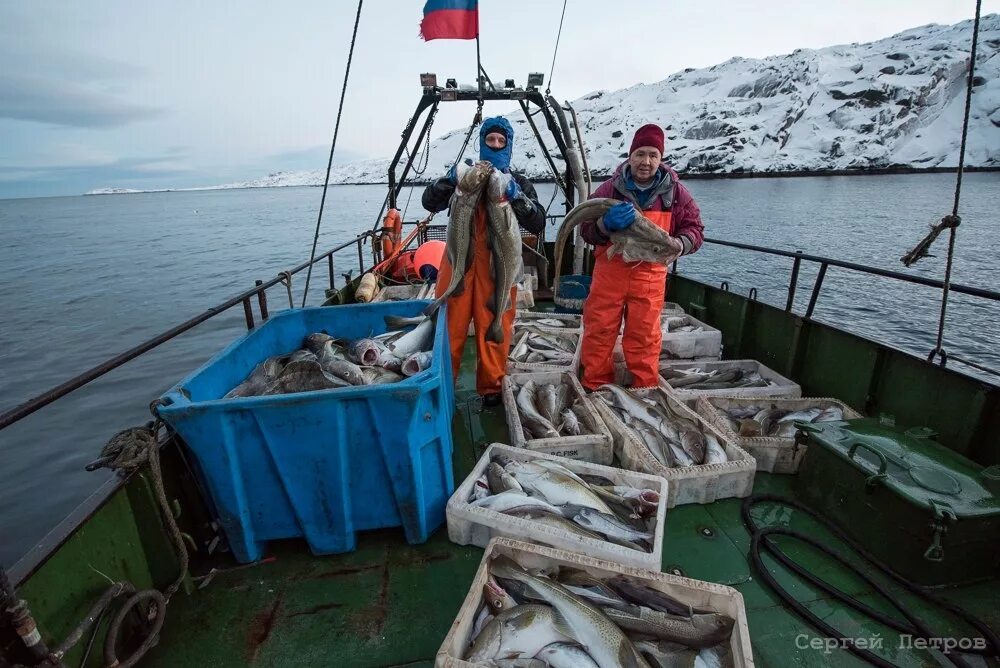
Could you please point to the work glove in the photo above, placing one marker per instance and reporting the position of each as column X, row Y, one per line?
column 501, row 186
column 619, row 217
column 513, row 190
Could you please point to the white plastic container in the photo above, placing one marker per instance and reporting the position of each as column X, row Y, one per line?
column 594, row 447
column 571, row 365
column 471, row 525
column 773, row 454
column 670, row 308
column 691, row 345
column 779, row 387
column 397, row 293
column 703, row 483
column 698, row 594
column 573, row 321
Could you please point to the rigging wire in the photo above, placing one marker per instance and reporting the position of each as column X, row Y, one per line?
column 333, row 146
column 955, row 219
column 951, row 221
column 548, row 87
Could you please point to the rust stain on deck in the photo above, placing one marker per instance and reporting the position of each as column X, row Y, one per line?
column 261, row 626
column 370, row 622
column 314, row 609
column 346, row 570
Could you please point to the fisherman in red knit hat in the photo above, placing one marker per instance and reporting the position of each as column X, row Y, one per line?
column 634, row 291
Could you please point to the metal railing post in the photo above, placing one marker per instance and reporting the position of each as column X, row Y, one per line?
column 248, row 312
column 816, row 288
column 793, row 281
column 261, row 299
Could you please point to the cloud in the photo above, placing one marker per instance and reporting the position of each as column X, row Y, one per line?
column 32, row 98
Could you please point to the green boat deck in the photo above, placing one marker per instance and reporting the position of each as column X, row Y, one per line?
column 390, row 604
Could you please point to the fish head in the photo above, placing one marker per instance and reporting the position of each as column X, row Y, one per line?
column 316, row 341
column 714, row 625
column 472, row 178
column 497, row 597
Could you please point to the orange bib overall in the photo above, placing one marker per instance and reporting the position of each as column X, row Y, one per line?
column 470, row 306
column 631, row 290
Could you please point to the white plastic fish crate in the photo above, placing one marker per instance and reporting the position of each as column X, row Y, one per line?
column 594, row 447
column 471, row 525
column 782, row 387
column 773, row 454
column 703, row 483
column 697, row 593
column 531, row 278
column 398, row 293
column 691, row 345
column 671, row 309
column 572, row 365
column 573, row 321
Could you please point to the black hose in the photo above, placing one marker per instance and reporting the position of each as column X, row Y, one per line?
column 759, row 539
column 96, row 612
column 111, row 641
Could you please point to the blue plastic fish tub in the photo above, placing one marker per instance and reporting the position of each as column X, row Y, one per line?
column 326, row 464
column 573, row 291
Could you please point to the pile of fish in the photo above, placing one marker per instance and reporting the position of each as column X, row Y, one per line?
column 326, row 363
column 642, row 240
column 504, row 239
column 673, row 438
column 545, row 346
column 546, row 323
column 568, row 617
column 679, row 323
column 550, row 411
column 589, row 506
column 755, row 421
column 717, row 379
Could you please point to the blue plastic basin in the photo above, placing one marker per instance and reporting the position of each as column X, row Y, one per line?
column 572, row 287
column 321, row 465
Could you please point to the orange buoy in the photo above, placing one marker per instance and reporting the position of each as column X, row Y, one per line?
column 427, row 259
column 392, row 232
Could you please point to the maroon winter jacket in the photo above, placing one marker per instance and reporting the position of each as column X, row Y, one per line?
column 685, row 213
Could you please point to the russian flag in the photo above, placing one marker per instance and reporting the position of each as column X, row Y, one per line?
column 450, row 19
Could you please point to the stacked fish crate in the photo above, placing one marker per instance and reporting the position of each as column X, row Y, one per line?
column 689, row 379
column 550, row 342
column 766, row 427
column 683, row 338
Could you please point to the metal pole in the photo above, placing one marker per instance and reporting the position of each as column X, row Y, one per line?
column 816, row 288
column 792, row 282
column 262, row 299
column 329, row 265
column 248, row 313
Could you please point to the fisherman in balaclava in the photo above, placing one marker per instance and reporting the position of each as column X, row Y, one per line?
column 496, row 143
column 634, row 291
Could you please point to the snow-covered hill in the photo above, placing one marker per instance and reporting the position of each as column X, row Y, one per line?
column 894, row 102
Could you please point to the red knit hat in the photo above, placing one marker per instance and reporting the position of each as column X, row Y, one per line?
column 648, row 135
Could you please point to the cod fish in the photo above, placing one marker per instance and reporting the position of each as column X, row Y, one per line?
column 418, row 339
column 556, row 484
column 260, row 378
column 699, row 630
column 565, row 655
column 585, row 623
column 504, row 240
column 523, row 630
column 534, row 421
column 416, row 363
column 642, row 240
column 458, row 245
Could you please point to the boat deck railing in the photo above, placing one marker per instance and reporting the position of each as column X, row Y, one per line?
column 258, row 293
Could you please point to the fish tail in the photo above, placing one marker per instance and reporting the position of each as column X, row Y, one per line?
column 432, row 308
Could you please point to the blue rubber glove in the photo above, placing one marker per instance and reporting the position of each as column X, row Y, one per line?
column 619, row 216
column 453, row 175
column 513, row 190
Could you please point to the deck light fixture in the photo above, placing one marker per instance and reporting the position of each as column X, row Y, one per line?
column 429, row 80
column 535, row 80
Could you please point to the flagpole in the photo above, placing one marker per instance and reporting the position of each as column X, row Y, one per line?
column 479, row 67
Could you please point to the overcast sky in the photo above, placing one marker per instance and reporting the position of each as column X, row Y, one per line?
column 161, row 94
